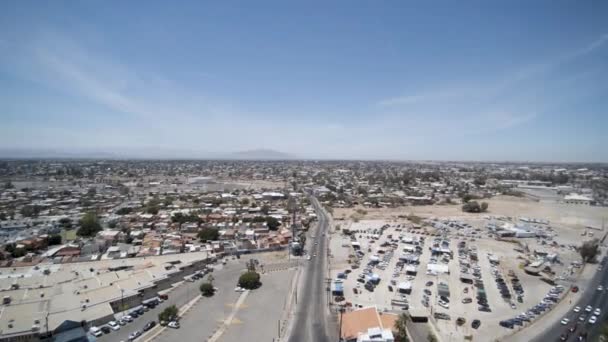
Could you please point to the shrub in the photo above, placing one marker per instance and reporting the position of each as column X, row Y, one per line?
column 207, row 289
column 250, row 280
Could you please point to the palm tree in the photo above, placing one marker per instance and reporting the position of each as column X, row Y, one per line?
column 401, row 326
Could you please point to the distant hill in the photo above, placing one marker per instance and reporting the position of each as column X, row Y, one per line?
column 22, row 153
column 261, row 154
column 140, row 153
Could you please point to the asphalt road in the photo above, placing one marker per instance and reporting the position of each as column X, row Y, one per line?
column 311, row 314
column 178, row 297
column 591, row 296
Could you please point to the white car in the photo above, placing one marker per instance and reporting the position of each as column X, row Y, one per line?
column 588, row 308
column 308, row 257
column 600, row 288
column 239, row 289
column 577, row 309
column 114, row 325
column 173, row 324
column 565, row 321
column 592, row 320
column 597, row 312
column 443, row 304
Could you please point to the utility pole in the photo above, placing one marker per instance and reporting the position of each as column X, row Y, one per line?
column 340, row 326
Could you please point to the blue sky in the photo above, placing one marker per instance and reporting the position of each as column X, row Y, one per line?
column 474, row 80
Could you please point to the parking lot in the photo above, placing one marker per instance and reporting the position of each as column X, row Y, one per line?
column 395, row 267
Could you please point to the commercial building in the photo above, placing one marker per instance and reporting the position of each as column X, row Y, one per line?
column 367, row 325
column 37, row 300
column 577, row 199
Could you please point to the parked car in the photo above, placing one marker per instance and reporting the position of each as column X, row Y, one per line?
column 134, row 335
column 173, row 324
column 114, row 325
column 149, row 325
column 475, row 324
column 106, row 329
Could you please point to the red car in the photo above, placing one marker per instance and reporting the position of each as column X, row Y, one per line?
column 575, row 289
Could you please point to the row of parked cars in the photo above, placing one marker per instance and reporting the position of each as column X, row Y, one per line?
column 466, row 267
column 547, row 303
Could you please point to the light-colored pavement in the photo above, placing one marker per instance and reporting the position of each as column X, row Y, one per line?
column 179, row 296
column 258, row 318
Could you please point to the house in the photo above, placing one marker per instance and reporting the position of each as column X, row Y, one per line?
column 367, row 325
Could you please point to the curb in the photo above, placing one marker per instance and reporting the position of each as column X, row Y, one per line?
column 154, row 333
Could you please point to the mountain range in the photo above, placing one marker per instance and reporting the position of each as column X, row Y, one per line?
column 141, row 153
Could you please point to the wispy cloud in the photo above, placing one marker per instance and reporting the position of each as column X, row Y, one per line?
column 60, row 63
column 506, row 102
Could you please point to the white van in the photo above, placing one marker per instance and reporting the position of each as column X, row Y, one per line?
column 95, row 331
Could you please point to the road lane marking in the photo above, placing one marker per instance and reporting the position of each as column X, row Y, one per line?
column 230, row 318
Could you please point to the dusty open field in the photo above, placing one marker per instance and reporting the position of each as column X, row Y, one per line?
column 572, row 216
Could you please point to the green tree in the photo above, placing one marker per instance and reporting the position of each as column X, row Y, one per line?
column 208, row 234
column 152, row 206
column 167, row 201
column 54, row 239
column 250, row 280
column 89, row 225
column 589, row 250
column 604, row 331
column 471, row 207
column 207, row 289
column 272, row 223
column 30, row 210
column 65, row 223
column 124, row 211
column 168, row 314
column 401, row 328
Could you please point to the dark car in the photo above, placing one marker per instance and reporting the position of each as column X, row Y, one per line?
column 149, row 325
column 427, row 292
column 564, row 336
column 429, row 283
column 444, row 298
column 506, row 324
column 484, row 309
column 573, row 327
column 475, row 324
column 390, row 288
column 105, row 329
